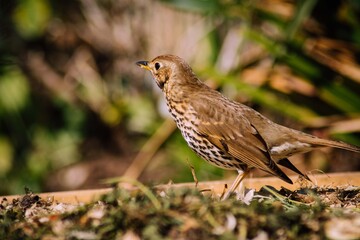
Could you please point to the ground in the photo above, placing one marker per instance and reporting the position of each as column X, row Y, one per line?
column 183, row 213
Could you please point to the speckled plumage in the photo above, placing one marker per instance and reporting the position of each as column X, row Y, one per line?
column 224, row 132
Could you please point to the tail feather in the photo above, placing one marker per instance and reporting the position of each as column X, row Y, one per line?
column 336, row 144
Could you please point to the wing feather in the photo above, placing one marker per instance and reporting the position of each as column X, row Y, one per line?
column 236, row 133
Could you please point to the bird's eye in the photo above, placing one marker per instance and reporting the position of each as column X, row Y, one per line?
column 157, row 66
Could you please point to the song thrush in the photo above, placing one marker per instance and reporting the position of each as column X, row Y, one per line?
column 226, row 133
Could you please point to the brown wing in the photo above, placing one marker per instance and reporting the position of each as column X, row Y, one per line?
column 224, row 125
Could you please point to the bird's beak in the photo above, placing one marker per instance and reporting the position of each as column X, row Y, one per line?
column 143, row 64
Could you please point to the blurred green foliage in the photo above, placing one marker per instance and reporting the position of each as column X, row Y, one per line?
column 70, row 91
column 14, row 91
column 31, row 17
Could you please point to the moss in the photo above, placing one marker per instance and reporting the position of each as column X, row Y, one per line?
column 181, row 214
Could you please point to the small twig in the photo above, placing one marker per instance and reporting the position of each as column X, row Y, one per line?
column 149, row 149
column 205, row 190
column 224, row 191
column 320, row 171
column 285, row 200
column 193, row 173
column 48, row 77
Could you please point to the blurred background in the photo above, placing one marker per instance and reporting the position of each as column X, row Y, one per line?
column 75, row 109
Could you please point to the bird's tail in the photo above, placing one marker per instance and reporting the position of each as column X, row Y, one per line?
column 319, row 142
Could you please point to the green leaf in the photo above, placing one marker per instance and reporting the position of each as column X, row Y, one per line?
column 6, row 156
column 341, row 97
column 14, row 91
column 31, row 17
column 301, row 14
column 198, row 5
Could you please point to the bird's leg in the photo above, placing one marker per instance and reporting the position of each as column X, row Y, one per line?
column 238, row 180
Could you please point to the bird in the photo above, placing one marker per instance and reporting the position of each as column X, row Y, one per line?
column 226, row 133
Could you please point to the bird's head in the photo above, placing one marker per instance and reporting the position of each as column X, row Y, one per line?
column 169, row 68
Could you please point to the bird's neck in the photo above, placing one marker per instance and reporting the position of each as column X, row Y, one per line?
column 177, row 91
